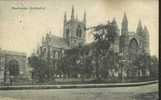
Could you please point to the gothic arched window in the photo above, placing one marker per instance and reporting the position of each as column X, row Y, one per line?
column 67, row 33
column 79, row 31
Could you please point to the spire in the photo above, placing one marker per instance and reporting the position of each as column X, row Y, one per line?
column 72, row 14
column 146, row 30
column 125, row 18
column 139, row 29
column 84, row 18
column 65, row 17
column 114, row 23
column 124, row 28
column 146, row 33
column 146, row 39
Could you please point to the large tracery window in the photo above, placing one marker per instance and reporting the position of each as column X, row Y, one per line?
column 133, row 47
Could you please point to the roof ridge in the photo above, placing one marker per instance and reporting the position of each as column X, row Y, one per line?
column 56, row 36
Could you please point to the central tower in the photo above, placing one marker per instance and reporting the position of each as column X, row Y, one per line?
column 74, row 30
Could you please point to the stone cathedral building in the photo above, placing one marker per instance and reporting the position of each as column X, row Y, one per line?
column 73, row 36
column 129, row 44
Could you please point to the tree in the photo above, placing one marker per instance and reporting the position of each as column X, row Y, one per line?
column 146, row 62
column 105, row 36
column 69, row 65
column 142, row 63
column 42, row 71
column 34, row 63
column 77, row 60
column 154, row 67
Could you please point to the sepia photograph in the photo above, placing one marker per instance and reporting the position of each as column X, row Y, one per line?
column 79, row 49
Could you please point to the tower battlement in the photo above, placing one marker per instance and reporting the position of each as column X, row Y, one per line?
column 74, row 30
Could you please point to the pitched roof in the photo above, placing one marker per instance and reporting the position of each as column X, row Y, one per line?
column 58, row 42
column 8, row 52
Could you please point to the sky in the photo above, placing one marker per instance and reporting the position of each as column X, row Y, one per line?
column 22, row 29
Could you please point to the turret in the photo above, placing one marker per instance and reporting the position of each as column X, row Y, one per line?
column 146, row 39
column 114, row 23
column 116, row 40
column 124, row 36
column 139, row 29
column 146, row 32
column 72, row 14
column 65, row 20
column 124, row 28
column 65, row 17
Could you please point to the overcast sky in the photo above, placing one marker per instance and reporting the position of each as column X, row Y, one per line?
column 22, row 29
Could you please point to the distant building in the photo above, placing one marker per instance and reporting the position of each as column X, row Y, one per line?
column 12, row 65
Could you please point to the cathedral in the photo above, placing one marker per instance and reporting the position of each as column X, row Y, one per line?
column 128, row 45
column 73, row 36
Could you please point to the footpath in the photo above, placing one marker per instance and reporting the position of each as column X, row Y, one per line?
column 72, row 86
